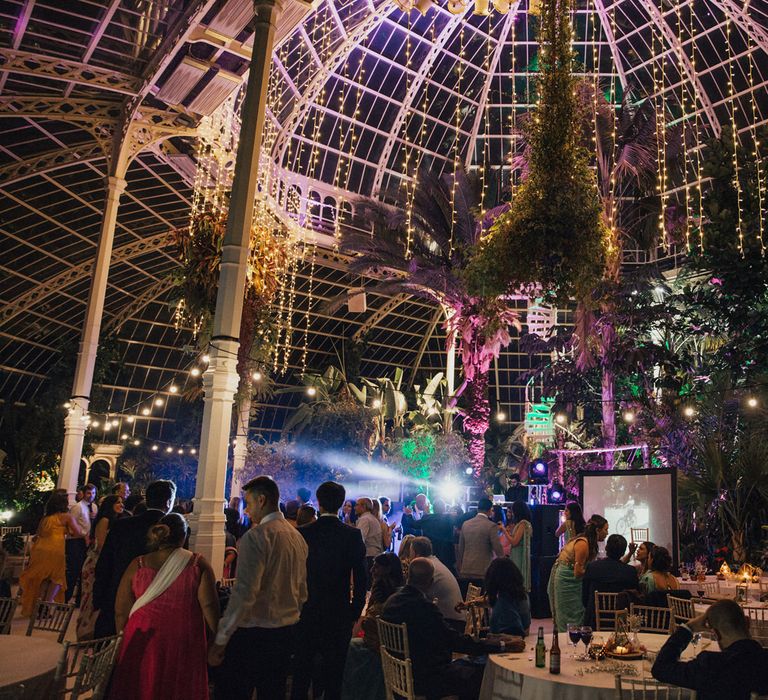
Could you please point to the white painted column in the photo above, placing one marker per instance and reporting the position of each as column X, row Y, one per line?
column 450, row 375
column 240, row 450
column 221, row 379
column 75, row 423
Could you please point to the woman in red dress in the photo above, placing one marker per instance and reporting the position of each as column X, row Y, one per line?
column 165, row 602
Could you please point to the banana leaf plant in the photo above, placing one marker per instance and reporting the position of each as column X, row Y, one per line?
column 389, row 404
column 432, row 412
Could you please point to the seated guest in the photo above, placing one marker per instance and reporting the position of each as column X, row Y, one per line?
column 738, row 669
column 508, row 599
column 432, row 641
column 641, row 554
column 445, row 590
column 659, row 576
column 387, row 577
column 609, row 575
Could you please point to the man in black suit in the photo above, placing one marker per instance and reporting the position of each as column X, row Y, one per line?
column 609, row 575
column 431, row 641
column 738, row 669
column 336, row 554
column 126, row 540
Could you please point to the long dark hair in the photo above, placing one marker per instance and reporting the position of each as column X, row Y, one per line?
column 504, row 578
column 521, row 511
column 57, row 503
column 662, row 560
column 106, row 510
column 388, row 579
column 596, row 522
column 577, row 517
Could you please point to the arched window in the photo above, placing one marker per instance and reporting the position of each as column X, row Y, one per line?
column 100, row 470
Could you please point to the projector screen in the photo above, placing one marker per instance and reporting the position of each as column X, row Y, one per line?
column 634, row 498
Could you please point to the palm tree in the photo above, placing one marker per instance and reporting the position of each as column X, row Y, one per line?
column 425, row 254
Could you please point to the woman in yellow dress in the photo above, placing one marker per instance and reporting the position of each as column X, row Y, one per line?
column 45, row 576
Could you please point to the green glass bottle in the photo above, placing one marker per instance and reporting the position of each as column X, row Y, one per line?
column 541, row 650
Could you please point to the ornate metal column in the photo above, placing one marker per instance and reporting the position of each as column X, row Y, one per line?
column 220, row 379
column 75, row 422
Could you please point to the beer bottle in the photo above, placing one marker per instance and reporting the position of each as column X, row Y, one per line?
column 554, row 653
column 541, row 650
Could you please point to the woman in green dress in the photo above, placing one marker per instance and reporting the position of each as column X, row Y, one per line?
column 518, row 537
column 565, row 580
column 573, row 524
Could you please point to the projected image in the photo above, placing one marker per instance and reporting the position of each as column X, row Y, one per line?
column 632, row 500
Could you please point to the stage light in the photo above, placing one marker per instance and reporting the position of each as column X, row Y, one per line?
column 154, row 448
column 173, row 388
column 311, row 391
column 629, row 417
column 450, row 490
column 206, row 358
column 468, row 471
column 539, row 472
column 752, row 402
column 689, row 411
column 159, row 402
column 256, row 376
column 377, row 403
column 195, row 372
column 561, row 418
column 145, row 411
column 556, row 493
column 501, row 416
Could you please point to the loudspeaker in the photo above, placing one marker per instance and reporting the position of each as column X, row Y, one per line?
column 541, row 567
column 356, row 301
column 545, row 520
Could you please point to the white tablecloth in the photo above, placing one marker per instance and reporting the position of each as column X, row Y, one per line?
column 727, row 587
column 27, row 666
column 515, row 676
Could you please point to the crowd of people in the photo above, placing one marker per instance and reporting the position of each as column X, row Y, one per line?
column 306, row 582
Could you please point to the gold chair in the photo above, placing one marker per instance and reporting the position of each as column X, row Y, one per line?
column 85, row 668
column 227, row 582
column 758, row 624
column 647, row 689
column 394, row 638
column 398, row 677
column 655, row 619
column 682, row 609
column 51, row 617
column 7, row 611
column 607, row 610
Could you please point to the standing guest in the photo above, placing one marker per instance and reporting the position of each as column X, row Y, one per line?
column 166, row 600
column 445, row 591
column 507, row 597
column 110, row 510
column 565, row 581
column 121, row 489
column 432, row 642
column 348, row 514
column 518, row 536
column 257, row 629
column 478, row 544
column 659, row 576
column 386, row 508
column 45, row 577
column 573, row 525
column 370, row 528
column 609, row 575
column 130, row 503
column 336, row 556
column 737, row 670
column 438, row 526
column 386, row 529
column 76, row 547
column 306, row 515
column 291, row 511
column 516, row 493
column 230, row 547
column 304, row 496
column 412, row 515
column 126, row 540
column 78, row 494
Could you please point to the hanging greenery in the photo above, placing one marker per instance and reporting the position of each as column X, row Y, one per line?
column 553, row 239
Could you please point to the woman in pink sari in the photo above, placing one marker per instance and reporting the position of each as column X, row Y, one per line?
column 165, row 602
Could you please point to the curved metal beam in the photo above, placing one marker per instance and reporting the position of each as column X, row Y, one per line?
column 54, row 284
column 741, row 18
column 509, row 20
column 150, row 294
column 48, row 162
column 384, row 310
column 413, row 89
column 423, row 345
column 674, row 42
column 605, row 21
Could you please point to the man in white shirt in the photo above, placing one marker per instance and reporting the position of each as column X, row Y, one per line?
column 370, row 528
column 76, row 548
column 445, row 587
column 258, row 626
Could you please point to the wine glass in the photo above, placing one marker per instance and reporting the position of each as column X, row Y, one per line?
column 574, row 634
column 586, row 635
column 706, row 638
column 701, row 591
column 695, row 642
column 684, row 572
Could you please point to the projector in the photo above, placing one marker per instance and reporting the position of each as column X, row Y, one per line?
column 356, row 301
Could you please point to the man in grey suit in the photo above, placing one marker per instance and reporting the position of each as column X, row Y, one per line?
column 478, row 543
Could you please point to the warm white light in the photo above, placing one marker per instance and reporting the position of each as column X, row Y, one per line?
column 130, row 419
column 173, row 388
column 154, row 448
column 181, row 452
column 195, row 372
column 311, row 391
column 432, row 411
column 107, row 426
column 751, row 402
column 377, row 403
column 561, row 418
column 159, row 402
column 6, row 515
column 95, row 424
column 145, row 411
column 206, row 358
column 256, row 376
column 169, row 449
column 137, row 442
column 501, row 416
column 86, row 418
column 124, row 436
column 193, row 451
column 629, row 417
column 115, row 422
column 67, row 404
column 689, row 411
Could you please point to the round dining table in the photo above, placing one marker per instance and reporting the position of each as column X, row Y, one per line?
column 727, row 587
column 515, row 676
column 27, row 666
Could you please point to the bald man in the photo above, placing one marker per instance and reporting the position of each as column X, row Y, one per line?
column 432, row 641
column 740, row 667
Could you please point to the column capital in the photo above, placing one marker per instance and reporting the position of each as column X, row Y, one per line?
column 268, row 11
column 116, row 185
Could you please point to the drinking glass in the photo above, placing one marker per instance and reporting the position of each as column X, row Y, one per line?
column 684, row 572
column 574, row 634
column 586, row 635
column 701, row 591
column 695, row 642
